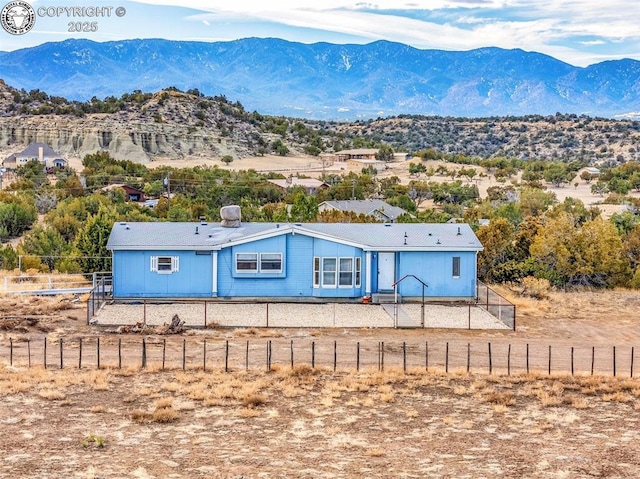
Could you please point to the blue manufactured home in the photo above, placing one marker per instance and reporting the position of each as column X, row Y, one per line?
column 293, row 261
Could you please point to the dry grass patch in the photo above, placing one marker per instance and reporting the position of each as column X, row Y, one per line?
column 502, row 398
column 619, row 396
column 52, row 394
column 252, row 400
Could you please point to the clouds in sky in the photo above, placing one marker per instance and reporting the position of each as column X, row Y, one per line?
column 580, row 32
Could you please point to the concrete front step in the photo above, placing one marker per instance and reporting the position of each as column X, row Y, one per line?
column 380, row 298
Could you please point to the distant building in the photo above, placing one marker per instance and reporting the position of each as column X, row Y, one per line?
column 379, row 209
column 130, row 193
column 310, row 185
column 35, row 151
column 357, row 154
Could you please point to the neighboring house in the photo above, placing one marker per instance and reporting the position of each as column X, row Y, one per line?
column 375, row 164
column 357, row 154
column 36, row 151
column 310, row 185
column 293, row 261
column 130, row 193
column 379, row 209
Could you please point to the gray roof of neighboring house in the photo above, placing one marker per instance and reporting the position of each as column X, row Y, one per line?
column 34, row 148
column 295, row 181
column 368, row 236
column 366, row 207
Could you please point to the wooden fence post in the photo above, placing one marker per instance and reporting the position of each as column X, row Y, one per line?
column 509, row 360
column 164, row 351
column 80, row 353
column 226, row 356
column 404, row 356
column 593, row 358
column 614, row 361
column 572, row 370
column 631, row 374
column 98, row 353
column 45, row 352
column 490, row 360
column 335, row 355
column 204, row 348
column 446, row 358
column 10, row 351
column 246, row 357
column 382, row 356
column 291, row 350
column 61, row 354
column 144, row 353
column 549, row 359
column 358, row 356
column 184, row 354
column 426, row 356
column 119, row 353
column 29, row 352
column 468, row 357
column 527, row 358
column 313, row 354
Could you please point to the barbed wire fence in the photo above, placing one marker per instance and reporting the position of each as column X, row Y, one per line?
column 205, row 354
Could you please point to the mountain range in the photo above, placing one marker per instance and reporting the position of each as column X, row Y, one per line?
column 330, row 81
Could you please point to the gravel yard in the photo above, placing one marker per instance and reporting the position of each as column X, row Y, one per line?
column 295, row 315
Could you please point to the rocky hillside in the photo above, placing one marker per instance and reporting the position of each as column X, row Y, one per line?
column 173, row 124
column 136, row 127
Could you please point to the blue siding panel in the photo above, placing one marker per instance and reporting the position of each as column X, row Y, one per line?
column 436, row 269
column 134, row 279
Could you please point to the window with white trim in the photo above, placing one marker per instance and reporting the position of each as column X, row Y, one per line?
column 271, row 262
column 259, row 263
column 329, row 270
column 316, row 272
column 345, row 272
column 247, row 262
column 455, row 266
column 165, row 264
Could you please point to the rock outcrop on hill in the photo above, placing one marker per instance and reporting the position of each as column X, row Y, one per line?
column 166, row 124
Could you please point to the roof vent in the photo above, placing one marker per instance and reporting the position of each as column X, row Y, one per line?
column 230, row 216
column 438, row 242
column 459, row 231
column 197, row 231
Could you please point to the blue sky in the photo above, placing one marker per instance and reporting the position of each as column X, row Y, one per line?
column 579, row 32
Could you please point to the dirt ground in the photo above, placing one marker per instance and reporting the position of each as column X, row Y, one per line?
column 300, row 422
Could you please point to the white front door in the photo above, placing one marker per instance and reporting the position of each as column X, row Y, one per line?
column 386, row 271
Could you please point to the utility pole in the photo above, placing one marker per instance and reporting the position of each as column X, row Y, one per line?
column 167, row 184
